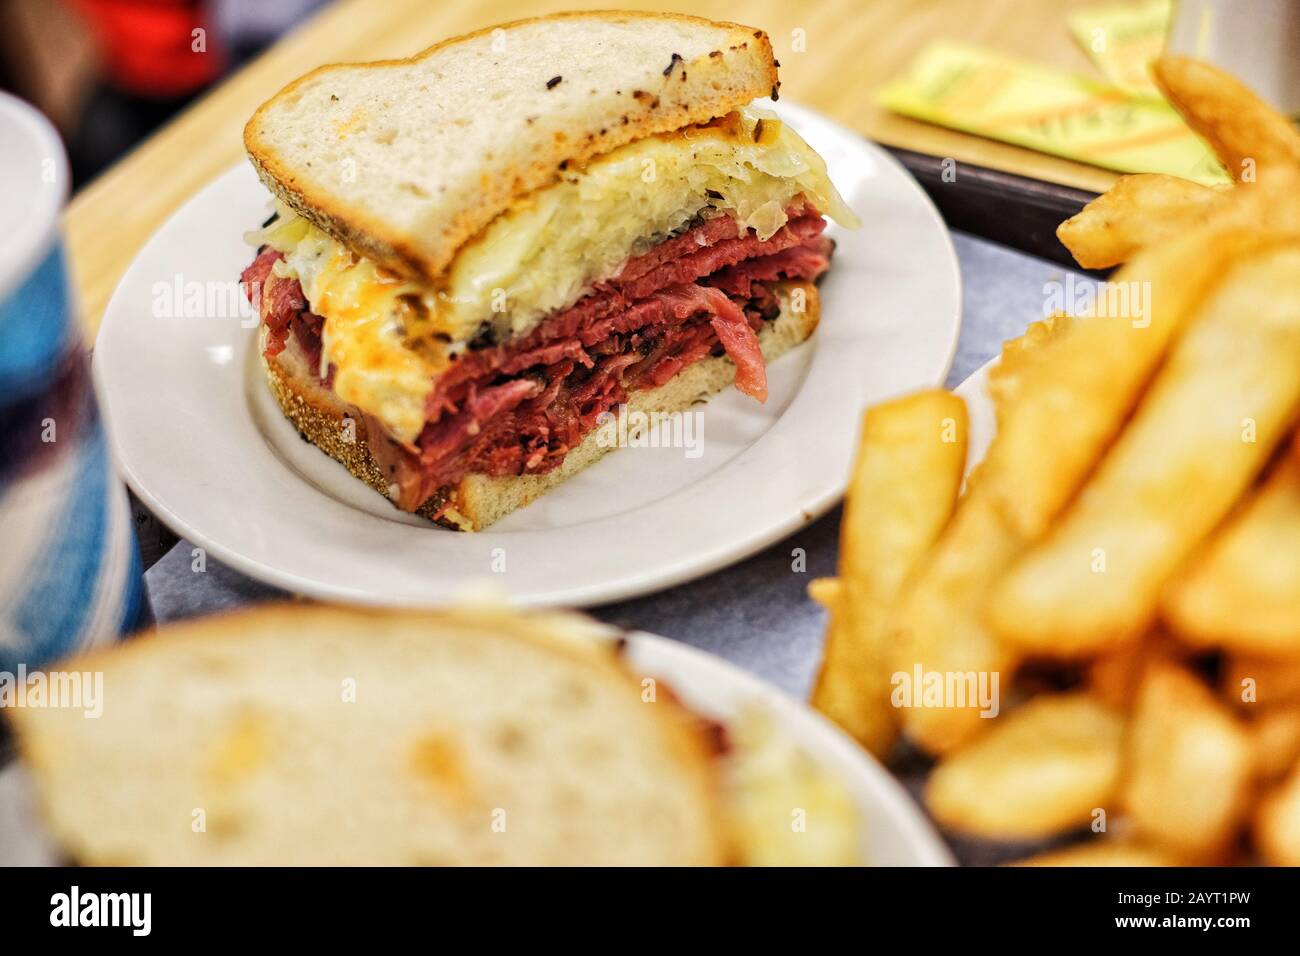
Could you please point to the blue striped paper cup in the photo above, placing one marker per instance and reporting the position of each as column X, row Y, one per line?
column 70, row 572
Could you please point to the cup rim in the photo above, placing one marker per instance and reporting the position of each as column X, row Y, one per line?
column 23, row 248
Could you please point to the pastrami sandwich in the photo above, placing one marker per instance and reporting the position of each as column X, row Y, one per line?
column 480, row 252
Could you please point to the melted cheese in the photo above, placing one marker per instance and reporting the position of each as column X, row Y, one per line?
column 389, row 337
column 364, row 339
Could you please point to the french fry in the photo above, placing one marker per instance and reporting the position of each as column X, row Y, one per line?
column 1115, row 532
column 1007, row 377
column 1043, row 769
column 909, row 468
column 1103, row 852
column 1188, row 766
column 1242, row 590
column 939, row 628
column 1247, row 134
column 852, row 688
column 1275, row 733
column 1077, row 398
column 1277, row 824
column 1074, row 401
column 1136, row 212
column 1228, row 391
column 1249, row 681
column 1114, row 676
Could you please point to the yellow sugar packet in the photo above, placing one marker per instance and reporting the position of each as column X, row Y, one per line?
column 975, row 91
column 1123, row 40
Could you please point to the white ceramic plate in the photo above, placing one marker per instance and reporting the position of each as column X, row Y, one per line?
column 201, row 442
column 895, row 832
column 983, row 423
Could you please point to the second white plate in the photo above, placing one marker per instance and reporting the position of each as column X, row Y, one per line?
column 202, row 444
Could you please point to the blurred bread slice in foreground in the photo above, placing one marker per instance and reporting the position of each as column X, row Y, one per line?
column 313, row 736
column 475, row 736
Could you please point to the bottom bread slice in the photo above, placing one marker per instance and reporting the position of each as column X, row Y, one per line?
column 477, row 501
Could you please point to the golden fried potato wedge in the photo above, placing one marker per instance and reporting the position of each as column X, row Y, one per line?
column 1223, row 400
column 1103, row 851
column 1241, row 591
column 909, row 468
column 1136, row 212
column 939, row 634
column 1276, row 829
column 1247, row 134
column 1188, row 766
column 1042, row 769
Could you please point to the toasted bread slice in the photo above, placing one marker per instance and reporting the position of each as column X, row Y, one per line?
column 404, row 160
column 479, row 500
column 317, row 735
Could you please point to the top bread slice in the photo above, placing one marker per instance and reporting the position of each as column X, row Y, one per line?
column 405, row 160
column 296, row 735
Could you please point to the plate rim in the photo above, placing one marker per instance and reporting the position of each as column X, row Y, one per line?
column 973, row 390
column 640, row 583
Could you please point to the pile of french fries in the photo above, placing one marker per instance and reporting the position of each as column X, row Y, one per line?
column 1097, row 633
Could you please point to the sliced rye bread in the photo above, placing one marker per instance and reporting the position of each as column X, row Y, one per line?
column 313, row 735
column 405, row 160
column 480, row 500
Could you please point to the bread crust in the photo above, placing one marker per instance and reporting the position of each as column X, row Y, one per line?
column 374, row 237
column 478, row 501
column 338, row 429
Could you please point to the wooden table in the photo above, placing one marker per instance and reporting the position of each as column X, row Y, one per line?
column 851, row 47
